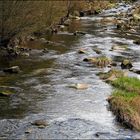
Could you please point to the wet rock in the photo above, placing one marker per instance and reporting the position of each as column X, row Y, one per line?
column 119, row 26
column 79, row 33
column 137, row 71
column 40, row 123
column 28, row 131
column 80, row 86
column 82, row 14
column 119, row 48
column 126, row 64
column 82, row 51
column 74, row 17
column 97, row 50
column 45, row 50
column 97, row 134
column 61, row 27
column 25, row 54
column 89, row 59
column 96, row 12
column 14, row 69
column 137, row 42
column 5, row 93
column 113, row 64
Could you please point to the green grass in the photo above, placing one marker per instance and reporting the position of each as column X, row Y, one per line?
column 129, row 84
column 125, row 101
column 126, row 96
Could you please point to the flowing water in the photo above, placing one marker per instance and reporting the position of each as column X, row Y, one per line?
column 42, row 88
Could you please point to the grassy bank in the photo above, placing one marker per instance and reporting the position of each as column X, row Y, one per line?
column 125, row 101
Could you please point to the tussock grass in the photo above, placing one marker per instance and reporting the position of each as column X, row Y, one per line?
column 129, row 84
column 125, row 101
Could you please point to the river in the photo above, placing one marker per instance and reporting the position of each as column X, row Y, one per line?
column 42, row 88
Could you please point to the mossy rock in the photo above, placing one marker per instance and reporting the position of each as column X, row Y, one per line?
column 5, row 93
column 99, row 61
column 112, row 75
column 126, row 64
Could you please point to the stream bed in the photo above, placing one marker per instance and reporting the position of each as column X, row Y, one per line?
column 42, row 88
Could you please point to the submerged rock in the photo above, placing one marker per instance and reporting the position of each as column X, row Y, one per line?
column 14, row 69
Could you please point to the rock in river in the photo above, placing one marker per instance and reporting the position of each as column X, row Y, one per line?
column 13, row 69
column 82, row 51
column 80, row 86
column 40, row 123
column 5, row 93
column 126, row 64
column 137, row 42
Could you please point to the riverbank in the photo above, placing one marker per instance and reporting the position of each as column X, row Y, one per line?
column 125, row 101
